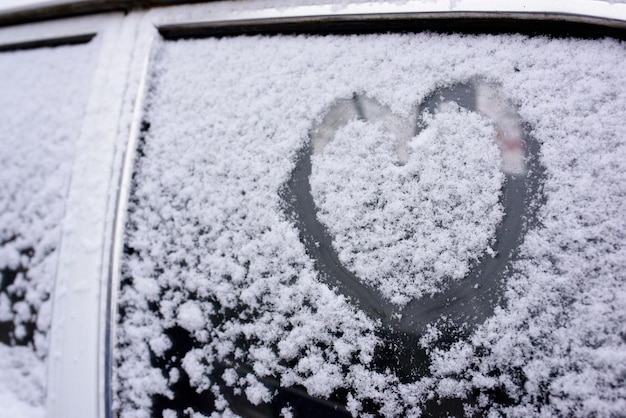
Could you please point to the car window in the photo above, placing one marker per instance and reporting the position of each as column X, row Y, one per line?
column 297, row 201
column 44, row 94
column 414, row 146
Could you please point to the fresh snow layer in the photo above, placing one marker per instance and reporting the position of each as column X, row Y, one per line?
column 22, row 384
column 211, row 254
column 405, row 228
column 43, row 96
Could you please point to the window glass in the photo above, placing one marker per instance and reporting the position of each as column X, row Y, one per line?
column 387, row 224
column 44, row 95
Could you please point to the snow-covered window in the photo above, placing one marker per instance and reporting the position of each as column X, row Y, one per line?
column 298, row 202
column 43, row 95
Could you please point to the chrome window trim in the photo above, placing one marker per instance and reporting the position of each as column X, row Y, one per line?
column 119, row 225
column 557, row 24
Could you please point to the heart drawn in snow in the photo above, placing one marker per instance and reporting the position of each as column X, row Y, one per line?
column 417, row 219
column 406, row 213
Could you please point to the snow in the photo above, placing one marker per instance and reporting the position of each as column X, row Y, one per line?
column 43, row 98
column 380, row 211
column 22, row 383
column 206, row 222
column 14, row 407
column 190, row 316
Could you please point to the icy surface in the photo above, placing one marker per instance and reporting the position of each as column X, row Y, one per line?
column 211, row 255
column 44, row 93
